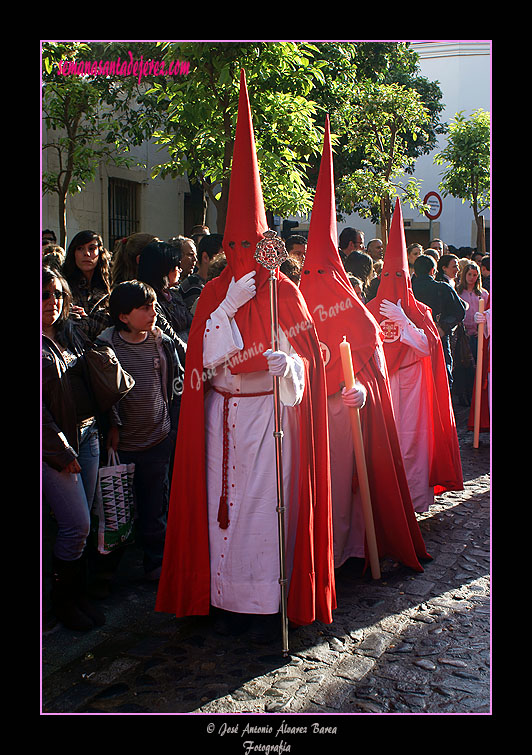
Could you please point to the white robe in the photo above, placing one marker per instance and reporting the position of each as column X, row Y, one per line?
column 412, row 417
column 347, row 515
column 244, row 558
column 349, row 529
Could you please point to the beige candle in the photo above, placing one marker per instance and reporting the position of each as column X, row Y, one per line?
column 360, row 457
column 478, row 381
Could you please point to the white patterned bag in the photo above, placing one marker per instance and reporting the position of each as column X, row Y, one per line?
column 114, row 504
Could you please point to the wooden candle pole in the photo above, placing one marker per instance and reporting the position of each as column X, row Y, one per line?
column 478, row 381
column 360, row 457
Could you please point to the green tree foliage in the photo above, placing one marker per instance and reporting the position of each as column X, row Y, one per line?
column 380, row 120
column 88, row 118
column 352, row 68
column 467, row 155
column 199, row 111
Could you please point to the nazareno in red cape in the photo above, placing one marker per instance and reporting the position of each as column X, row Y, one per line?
column 338, row 312
column 395, row 284
column 184, row 585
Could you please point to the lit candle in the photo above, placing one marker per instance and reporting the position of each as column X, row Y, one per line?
column 347, row 363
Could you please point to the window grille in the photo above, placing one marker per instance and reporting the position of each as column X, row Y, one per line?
column 123, row 210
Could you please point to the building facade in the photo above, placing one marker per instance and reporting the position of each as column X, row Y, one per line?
column 121, row 201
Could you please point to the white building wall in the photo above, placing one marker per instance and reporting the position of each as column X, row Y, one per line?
column 160, row 201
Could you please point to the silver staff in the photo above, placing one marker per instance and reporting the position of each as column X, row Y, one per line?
column 271, row 253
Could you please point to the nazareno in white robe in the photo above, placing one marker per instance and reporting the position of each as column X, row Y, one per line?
column 349, row 529
column 410, row 400
column 244, row 558
column 411, row 411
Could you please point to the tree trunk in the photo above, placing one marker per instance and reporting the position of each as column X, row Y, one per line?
column 385, row 220
column 62, row 218
column 481, row 234
column 221, row 207
column 205, row 205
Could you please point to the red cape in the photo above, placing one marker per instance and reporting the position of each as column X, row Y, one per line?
column 327, row 290
column 184, row 586
column 446, row 465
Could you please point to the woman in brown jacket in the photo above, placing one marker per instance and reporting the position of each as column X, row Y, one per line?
column 70, row 450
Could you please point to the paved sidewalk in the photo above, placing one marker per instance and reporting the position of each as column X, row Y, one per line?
column 406, row 644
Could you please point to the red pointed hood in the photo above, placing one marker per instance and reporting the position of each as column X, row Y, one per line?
column 395, row 284
column 246, row 217
column 395, row 278
column 244, row 227
column 322, row 245
column 332, row 301
column 446, row 468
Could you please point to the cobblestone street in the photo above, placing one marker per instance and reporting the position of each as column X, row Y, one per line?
column 407, row 643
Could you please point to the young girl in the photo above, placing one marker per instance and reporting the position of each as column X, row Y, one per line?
column 412, row 253
column 86, row 270
column 470, row 290
column 160, row 267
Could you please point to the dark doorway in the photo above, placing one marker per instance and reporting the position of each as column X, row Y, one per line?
column 417, row 236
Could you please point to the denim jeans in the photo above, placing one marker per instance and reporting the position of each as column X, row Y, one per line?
column 446, row 343
column 151, row 489
column 70, row 496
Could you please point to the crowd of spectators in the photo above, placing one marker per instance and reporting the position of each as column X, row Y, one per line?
column 134, row 306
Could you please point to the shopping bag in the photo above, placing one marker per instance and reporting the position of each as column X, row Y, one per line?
column 114, row 504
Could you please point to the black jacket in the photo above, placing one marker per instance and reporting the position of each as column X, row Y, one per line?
column 448, row 309
column 67, row 397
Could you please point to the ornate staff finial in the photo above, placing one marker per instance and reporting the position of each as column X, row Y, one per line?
column 271, row 251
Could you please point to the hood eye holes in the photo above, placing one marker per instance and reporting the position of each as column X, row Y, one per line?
column 398, row 273
column 245, row 244
column 232, row 244
column 306, row 272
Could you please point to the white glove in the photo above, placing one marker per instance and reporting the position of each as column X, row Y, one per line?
column 238, row 293
column 278, row 362
column 393, row 312
column 355, row 396
column 479, row 317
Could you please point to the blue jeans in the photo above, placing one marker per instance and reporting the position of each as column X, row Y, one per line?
column 446, row 343
column 70, row 496
column 151, row 488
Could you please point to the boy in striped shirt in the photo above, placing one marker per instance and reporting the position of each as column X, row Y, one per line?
column 144, row 428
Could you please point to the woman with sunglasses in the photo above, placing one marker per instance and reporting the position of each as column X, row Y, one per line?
column 70, row 452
